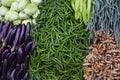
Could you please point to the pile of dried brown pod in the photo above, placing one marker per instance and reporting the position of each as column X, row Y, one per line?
column 103, row 59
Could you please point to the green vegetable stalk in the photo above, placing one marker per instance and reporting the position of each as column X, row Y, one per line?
column 83, row 10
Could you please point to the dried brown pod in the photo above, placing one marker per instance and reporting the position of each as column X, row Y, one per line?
column 103, row 60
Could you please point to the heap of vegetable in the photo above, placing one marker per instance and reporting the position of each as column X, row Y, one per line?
column 19, row 11
column 83, row 9
column 103, row 59
column 106, row 15
column 16, row 46
column 102, row 62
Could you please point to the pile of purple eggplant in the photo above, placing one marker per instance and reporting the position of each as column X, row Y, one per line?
column 16, row 46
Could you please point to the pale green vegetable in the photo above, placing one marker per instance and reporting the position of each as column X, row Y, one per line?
column 31, row 9
column 11, row 16
column 23, row 15
column 36, row 14
column 82, row 9
column 16, row 22
column 22, row 4
column 14, row 6
column 20, row 11
column 1, row 17
column 7, row 3
column 36, row 1
column 26, row 21
column 3, row 10
column 34, row 21
column 17, row 0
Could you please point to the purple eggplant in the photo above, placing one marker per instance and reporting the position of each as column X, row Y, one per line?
column 8, row 54
column 27, row 33
column 11, row 59
column 12, row 75
column 1, row 25
column 6, row 39
column 12, row 66
column 28, row 29
column 16, row 44
column 17, row 68
column 1, row 52
column 25, row 76
column 4, row 71
column 19, row 74
column 26, row 62
column 16, row 40
column 12, row 36
column 4, row 54
column 19, row 55
column 22, row 33
column 29, row 47
column 5, row 30
column 1, row 68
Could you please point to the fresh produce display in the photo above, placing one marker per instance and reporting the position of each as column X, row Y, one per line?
column 105, row 16
column 59, row 40
column 83, row 9
column 16, row 46
column 61, row 43
column 103, row 60
column 19, row 11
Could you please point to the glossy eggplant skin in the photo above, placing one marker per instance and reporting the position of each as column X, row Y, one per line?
column 29, row 47
column 1, row 25
column 27, row 33
column 4, row 71
column 16, row 46
column 16, row 40
column 22, row 34
column 5, row 29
